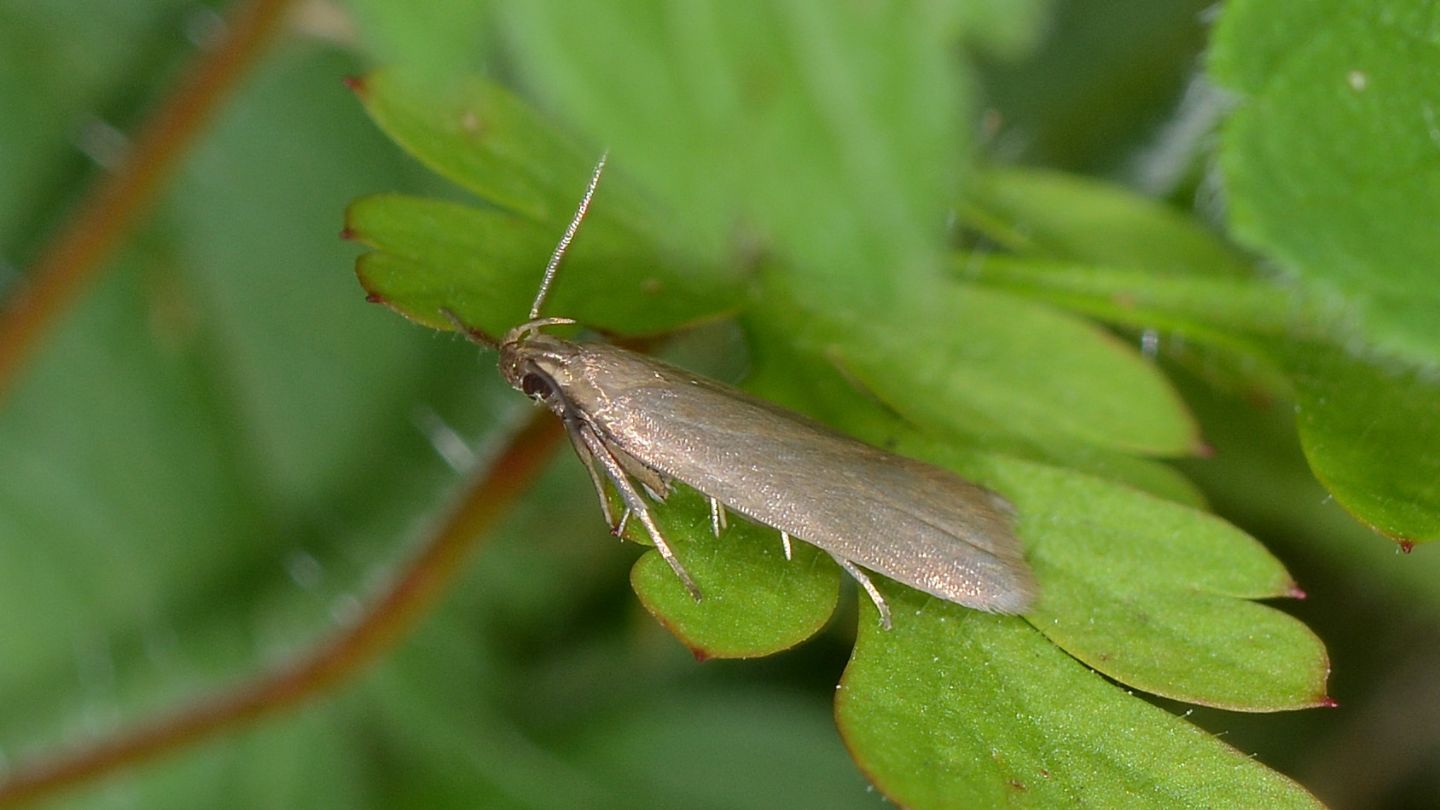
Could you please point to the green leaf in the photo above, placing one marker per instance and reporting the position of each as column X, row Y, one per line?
column 481, row 137
column 978, row 361
column 1370, row 429
column 486, row 264
column 1238, row 318
column 434, row 39
column 1061, row 216
column 766, row 732
column 1153, row 594
column 1109, row 91
column 1368, row 423
column 833, row 129
column 1222, row 311
column 1370, row 426
column 1003, row 28
column 755, row 602
column 1152, row 477
column 1332, row 158
column 1001, row 717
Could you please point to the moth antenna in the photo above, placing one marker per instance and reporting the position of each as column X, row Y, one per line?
column 560, row 248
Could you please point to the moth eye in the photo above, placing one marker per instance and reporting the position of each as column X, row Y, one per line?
column 533, row 385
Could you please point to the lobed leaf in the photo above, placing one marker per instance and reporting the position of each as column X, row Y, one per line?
column 1154, row 594
column 486, row 264
column 999, row 716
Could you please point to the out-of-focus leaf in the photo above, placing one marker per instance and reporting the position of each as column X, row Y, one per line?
column 686, row 751
column 1007, row 29
column 1332, row 157
column 1050, row 215
column 178, row 523
column 1104, row 91
column 1002, row 717
column 834, row 129
column 1215, row 310
column 485, row 265
column 978, row 361
column 90, row 502
column 73, row 75
column 434, row 39
column 1371, row 431
column 481, row 137
column 1369, row 424
column 1236, row 318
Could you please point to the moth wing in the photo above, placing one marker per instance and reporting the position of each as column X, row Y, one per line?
column 910, row 521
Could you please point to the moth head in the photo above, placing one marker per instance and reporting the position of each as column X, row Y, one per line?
column 530, row 359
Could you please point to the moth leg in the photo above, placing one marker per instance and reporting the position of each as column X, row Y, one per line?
column 785, row 542
column 717, row 517
column 588, row 459
column 875, row 596
column 636, row 504
column 620, row 527
column 655, row 483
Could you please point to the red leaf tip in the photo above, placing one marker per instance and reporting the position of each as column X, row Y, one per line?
column 1327, row 702
column 700, row 655
column 375, row 298
column 348, row 234
column 1297, row 592
column 1407, row 546
column 1205, row 450
column 355, row 83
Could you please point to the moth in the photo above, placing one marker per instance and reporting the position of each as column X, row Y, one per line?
column 643, row 424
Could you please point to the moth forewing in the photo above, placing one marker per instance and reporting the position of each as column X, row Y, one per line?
column 915, row 523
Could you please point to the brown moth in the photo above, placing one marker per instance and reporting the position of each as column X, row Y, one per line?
column 636, row 420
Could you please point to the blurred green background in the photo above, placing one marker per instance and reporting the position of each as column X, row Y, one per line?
column 222, row 450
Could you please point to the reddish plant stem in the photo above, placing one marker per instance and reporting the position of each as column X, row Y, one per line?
column 115, row 201
column 378, row 629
